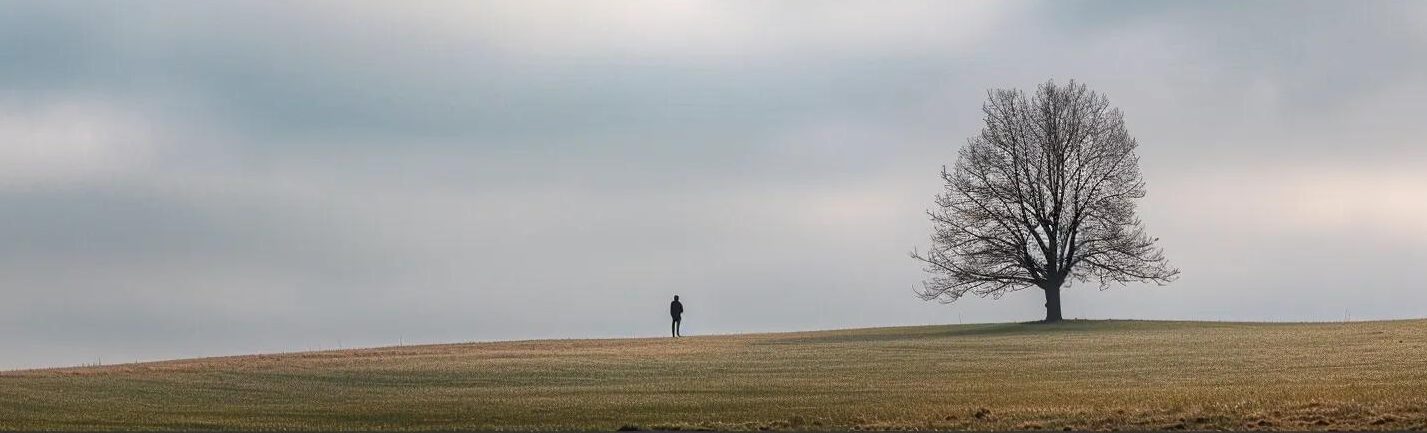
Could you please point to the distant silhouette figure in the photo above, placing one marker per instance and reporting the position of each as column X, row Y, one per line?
column 676, row 310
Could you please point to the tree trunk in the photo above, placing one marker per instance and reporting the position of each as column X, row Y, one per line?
column 1052, row 303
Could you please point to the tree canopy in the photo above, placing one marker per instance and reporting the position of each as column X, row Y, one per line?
column 1043, row 196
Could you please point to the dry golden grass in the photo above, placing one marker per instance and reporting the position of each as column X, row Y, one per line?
column 1097, row 375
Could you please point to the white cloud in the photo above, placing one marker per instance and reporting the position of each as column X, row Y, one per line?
column 708, row 29
column 1384, row 202
column 70, row 142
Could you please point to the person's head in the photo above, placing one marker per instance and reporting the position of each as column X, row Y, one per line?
column 676, row 297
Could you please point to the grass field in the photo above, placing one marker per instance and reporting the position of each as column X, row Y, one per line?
column 1084, row 375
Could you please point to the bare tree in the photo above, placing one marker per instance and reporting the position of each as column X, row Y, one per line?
column 1043, row 196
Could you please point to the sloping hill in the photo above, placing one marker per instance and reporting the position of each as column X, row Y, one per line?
column 1079, row 374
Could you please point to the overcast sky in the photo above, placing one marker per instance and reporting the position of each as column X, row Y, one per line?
column 200, row 178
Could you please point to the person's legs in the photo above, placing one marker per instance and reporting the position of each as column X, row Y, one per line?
column 674, row 328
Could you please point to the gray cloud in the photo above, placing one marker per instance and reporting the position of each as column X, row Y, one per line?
column 187, row 179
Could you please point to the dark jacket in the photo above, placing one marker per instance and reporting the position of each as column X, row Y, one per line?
column 676, row 308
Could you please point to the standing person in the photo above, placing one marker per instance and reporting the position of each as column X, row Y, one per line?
column 676, row 310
